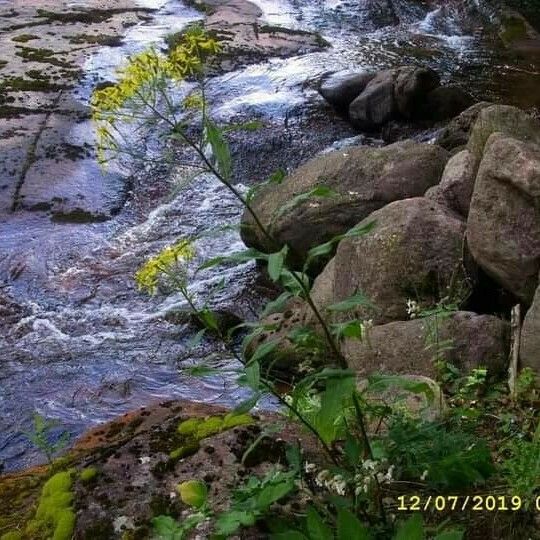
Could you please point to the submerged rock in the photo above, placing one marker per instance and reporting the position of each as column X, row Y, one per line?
column 364, row 179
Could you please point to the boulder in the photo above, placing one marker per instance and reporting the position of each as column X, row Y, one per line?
column 456, row 133
column 414, row 252
column 413, row 85
column 364, row 179
column 503, row 228
column 446, row 102
column 505, row 119
column 399, row 92
column 530, row 336
column 519, row 36
column 470, row 341
column 341, row 88
column 456, row 187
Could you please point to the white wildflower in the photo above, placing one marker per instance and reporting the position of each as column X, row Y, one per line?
column 144, row 460
column 322, row 478
column 424, row 475
column 288, row 399
column 413, row 309
column 310, row 467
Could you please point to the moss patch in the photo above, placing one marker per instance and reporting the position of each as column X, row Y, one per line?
column 513, row 29
column 54, row 517
column 23, row 38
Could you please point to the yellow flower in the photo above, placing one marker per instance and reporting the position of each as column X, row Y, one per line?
column 167, row 261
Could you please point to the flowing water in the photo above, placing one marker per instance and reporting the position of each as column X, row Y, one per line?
column 78, row 342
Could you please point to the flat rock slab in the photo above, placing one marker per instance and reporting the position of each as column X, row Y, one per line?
column 43, row 50
column 245, row 37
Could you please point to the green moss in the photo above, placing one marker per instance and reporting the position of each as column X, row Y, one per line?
column 208, row 427
column 54, row 517
column 23, row 38
column 88, row 475
column 233, row 420
column 189, row 427
column 513, row 29
column 14, row 535
column 185, row 451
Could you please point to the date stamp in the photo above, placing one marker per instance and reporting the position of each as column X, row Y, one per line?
column 462, row 503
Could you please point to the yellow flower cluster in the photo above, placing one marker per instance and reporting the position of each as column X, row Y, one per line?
column 145, row 74
column 167, row 261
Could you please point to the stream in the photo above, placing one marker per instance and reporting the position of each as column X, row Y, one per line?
column 78, row 342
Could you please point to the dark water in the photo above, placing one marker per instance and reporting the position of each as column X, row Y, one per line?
column 83, row 345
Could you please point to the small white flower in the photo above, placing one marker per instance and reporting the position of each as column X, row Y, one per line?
column 322, row 478
column 424, row 475
column 288, row 399
column 144, row 460
column 172, row 495
column 310, row 467
column 413, row 309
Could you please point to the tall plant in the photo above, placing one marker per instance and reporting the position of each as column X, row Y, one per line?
column 325, row 401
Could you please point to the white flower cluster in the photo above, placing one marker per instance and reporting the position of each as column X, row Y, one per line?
column 331, row 482
column 372, row 470
column 413, row 308
column 306, row 367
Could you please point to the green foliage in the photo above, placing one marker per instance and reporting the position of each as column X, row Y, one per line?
column 193, row 493
column 54, row 516
column 89, row 474
column 166, row 528
column 444, row 456
column 252, row 500
column 42, row 434
column 522, row 467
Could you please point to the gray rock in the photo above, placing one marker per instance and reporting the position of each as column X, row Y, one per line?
column 456, row 133
column 530, row 336
column 505, row 119
column 414, row 252
column 503, row 229
column 446, row 102
column 457, row 184
column 471, row 341
column 399, row 92
column 341, row 88
column 364, row 180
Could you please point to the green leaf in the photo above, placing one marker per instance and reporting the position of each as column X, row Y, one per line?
column 247, row 405
column 353, row 450
column 240, row 257
column 379, row 383
column 209, row 319
column 263, row 350
column 349, row 527
column 412, row 529
column 455, row 534
column 166, row 528
column 253, row 375
column 229, row 522
column 277, row 305
column 220, row 148
column 193, row 493
column 196, row 339
column 336, row 395
column 276, row 261
column 319, row 191
column 289, row 535
column 316, row 527
column 358, row 299
column 274, row 492
column 350, row 329
column 277, row 177
column 292, row 282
